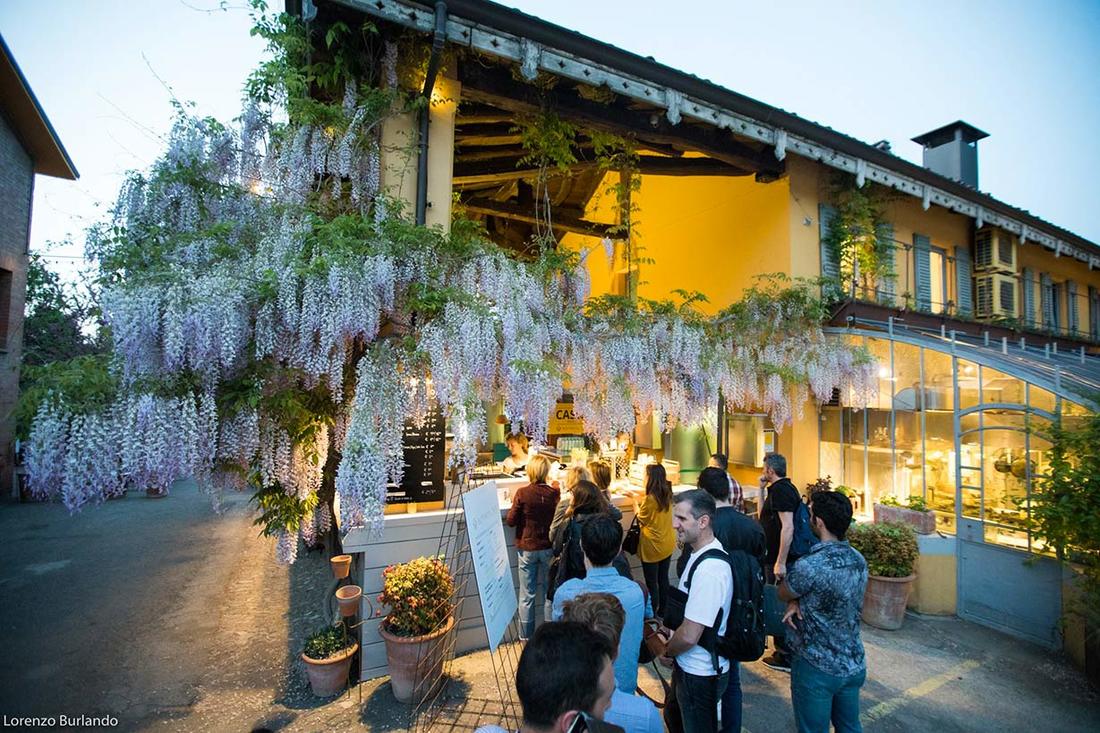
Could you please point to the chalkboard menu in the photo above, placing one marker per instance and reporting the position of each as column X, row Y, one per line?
column 424, row 449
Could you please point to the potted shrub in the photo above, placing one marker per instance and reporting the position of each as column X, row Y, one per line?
column 916, row 513
column 420, row 596
column 890, row 549
column 328, row 653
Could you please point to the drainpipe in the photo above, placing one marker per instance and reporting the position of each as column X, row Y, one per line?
column 425, row 113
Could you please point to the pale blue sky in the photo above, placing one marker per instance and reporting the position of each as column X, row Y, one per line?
column 1025, row 72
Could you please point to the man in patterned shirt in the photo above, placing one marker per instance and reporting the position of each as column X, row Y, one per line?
column 824, row 594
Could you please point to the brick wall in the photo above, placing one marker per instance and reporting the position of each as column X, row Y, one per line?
column 16, row 188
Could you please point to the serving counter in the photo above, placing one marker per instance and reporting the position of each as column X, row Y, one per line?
column 407, row 536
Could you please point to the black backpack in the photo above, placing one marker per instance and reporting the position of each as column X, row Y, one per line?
column 569, row 563
column 744, row 637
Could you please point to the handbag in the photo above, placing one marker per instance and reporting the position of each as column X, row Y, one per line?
column 653, row 643
column 633, row 537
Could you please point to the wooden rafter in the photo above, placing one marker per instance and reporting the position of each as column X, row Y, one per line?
column 497, row 88
column 569, row 220
column 504, row 169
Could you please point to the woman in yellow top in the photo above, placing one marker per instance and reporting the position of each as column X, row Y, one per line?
column 658, row 540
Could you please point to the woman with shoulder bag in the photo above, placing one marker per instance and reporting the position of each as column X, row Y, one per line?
column 569, row 557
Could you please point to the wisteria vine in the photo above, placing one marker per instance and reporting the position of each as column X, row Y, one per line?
column 275, row 322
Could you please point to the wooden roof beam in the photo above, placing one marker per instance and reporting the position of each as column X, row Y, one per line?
column 569, row 220
column 497, row 88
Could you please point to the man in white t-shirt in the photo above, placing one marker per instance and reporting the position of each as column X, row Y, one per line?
column 700, row 675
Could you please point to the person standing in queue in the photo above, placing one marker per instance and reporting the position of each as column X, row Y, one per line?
column 777, row 519
column 532, row 510
column 658, row 540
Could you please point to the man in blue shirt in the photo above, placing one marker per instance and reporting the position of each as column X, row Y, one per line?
column 601, row 538
column 603, row 613
column 824, row 591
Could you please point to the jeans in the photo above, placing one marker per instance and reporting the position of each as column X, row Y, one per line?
column 533, row 567
column 819, row 698
column 698, row 699
column 731, row 701
column 656, row 582
column 779, row 643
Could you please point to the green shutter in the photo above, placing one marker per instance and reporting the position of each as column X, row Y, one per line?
column 1028, row 285
column 830, row 268
column 886, row 286
column 964, row 299
column 922, row 266
column 1071, row 306
column 1046, row 294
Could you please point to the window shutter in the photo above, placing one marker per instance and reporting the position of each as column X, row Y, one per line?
column 1094, row 313
column 830, row 268
column 964, row 299
column 1046, row 292
column 1071, row 306
column 922, row 247
column 1028, row 285
column 887, row 283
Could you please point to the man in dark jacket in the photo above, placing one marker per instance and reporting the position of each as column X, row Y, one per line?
column 777, row 519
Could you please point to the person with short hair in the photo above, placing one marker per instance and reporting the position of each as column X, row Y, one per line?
column 777, row 519
column 573, row 476
column 604, row 614
column 601, row 476
column 700, row 675
column 736, row 493
column 532, row 510
column 601, row 538
column 824, row 591
column 736, row 532
column 517, row 448
column 564, row 672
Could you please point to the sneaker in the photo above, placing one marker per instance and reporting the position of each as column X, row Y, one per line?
column 778, row 663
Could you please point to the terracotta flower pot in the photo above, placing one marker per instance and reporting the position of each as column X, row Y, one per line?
column 348, row 596
column 415, row 662
column 327, row 677
column 885, row 599
column 341, row 566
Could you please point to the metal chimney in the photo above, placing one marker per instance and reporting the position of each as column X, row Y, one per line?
column 952, row 151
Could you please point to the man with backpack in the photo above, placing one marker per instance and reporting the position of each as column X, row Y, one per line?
column 738, row 534
column 698, row 610
column 781, row 516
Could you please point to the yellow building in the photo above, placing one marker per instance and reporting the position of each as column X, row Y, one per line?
column 985, row 320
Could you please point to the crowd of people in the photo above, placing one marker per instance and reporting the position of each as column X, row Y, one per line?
column 584, row 618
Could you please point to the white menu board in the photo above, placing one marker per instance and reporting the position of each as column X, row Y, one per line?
column 490, row 555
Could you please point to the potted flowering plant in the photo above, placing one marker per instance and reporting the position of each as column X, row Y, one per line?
column 328, row 653
column 420, row 596
column 891, row 552
column 915, row 513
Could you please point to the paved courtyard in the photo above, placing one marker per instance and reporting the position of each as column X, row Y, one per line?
column 169, row 617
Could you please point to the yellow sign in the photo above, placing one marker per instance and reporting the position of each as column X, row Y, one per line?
column 563, row 422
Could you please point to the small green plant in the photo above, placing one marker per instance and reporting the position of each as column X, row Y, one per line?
column 846, row 490
column 889, row 548
column 889, row 501
column 821, row 484
column 918, row 504
column 280, row 511
column 328, row 641
column 419, row 594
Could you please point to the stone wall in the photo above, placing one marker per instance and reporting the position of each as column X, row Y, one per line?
column 16, row 190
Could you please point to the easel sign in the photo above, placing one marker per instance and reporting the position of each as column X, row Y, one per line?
column 489, row 553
